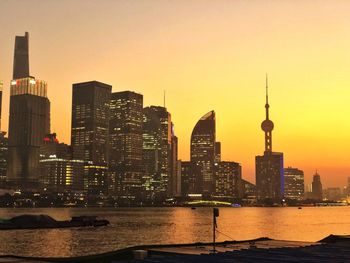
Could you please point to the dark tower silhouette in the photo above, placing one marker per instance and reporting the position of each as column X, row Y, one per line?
column 267, row 125
column 21, row 57
column 317, row 187
column 29, row 120
column 269, row 167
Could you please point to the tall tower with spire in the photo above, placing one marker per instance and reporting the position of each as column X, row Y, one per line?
column 267, row 125
column 269, row 166
column 29, row 120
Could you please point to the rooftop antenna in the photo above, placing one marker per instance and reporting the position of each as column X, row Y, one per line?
column 267, row 90
column 164, row 99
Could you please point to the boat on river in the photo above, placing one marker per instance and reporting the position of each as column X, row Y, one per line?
column 45, row 221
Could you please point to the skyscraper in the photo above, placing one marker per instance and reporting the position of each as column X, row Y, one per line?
column 151, row 151
column 89, row 136
column 269, row 167
column 203, row 151
column 293, row 183
column 125, row 134
column 29, row 120
column 317, row 187
column 159, row 152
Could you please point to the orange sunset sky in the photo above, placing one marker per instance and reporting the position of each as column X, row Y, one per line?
column 206, row 55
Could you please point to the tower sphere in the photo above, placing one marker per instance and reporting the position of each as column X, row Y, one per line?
column 267, row 125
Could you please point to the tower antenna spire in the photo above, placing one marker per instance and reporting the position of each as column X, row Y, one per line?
column 267, row 89
column 164, row 99
column 267, row 124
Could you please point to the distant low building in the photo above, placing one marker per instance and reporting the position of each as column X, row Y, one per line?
column 227, row 177
column 248, row 191
column 293, row 183
column 316, row 187
column 348, row 187
column 59, row 172
column 332, row 194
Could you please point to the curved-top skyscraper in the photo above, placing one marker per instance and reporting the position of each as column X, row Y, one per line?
column 203, row 152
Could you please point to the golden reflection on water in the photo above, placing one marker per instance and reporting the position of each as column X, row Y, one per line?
column 137, row 226
column 189, row 225
column 56, row 241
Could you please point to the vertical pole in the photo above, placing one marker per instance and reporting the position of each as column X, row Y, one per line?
column 215, row 215
column 214, row 224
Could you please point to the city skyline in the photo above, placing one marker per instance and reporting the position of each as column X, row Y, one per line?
column 311, row 123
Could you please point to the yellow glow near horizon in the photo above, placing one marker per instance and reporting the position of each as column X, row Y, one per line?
column 207, row 55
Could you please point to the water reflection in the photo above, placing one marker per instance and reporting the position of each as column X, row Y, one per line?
column 136, row 226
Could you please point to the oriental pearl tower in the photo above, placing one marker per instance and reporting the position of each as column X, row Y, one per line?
column 267, row 125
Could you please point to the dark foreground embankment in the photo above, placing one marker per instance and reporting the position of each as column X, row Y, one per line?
column 330, row 249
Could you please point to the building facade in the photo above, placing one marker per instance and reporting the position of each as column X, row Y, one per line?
column 125, row 159
column 89, row 134
column 3, row 158
column 174, row 185
column 228, row 176
column 159, row 153
column 293, row 183
column 59, row 172
column 248, row 192
column 3, row 147
column 191, row 181
column 151, row 152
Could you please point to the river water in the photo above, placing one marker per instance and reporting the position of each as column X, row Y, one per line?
column 138, row 226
